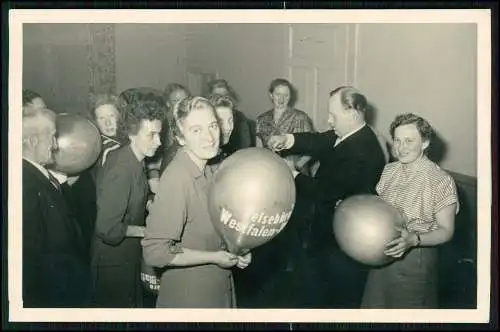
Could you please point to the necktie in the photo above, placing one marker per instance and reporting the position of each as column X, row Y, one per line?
column 54, row 181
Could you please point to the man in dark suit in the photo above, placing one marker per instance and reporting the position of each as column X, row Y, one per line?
column 351, row 161
column 55, row 274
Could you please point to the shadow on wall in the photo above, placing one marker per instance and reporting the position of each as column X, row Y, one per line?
column 437, row 149
column 370, row 114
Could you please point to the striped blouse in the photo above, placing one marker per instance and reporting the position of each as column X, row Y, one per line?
column 420, row 190
column 108, row 145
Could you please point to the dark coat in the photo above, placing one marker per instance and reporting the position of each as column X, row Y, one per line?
column 55, row 271
column 352, row 167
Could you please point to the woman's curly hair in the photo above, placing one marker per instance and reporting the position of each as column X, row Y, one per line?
column 140, row 109
column 98, row 100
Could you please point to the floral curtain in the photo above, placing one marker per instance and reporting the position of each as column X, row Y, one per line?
column 101, row 59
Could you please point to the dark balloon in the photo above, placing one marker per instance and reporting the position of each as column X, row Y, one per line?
column 363, row 225
column 251, row 198
column 79, row 144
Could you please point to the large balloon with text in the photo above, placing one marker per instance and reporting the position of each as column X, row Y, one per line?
column 363, row 225
column 79, row 143
column 251, row 198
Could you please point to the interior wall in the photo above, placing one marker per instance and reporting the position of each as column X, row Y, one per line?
column 55, row 64
column 248, row 56
column 150, row 55
column 428, row 69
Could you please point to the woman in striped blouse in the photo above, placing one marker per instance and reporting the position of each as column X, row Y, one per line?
column 428, row 197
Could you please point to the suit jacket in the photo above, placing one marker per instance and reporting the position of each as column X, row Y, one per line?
column 55, row 272
column 352, row 167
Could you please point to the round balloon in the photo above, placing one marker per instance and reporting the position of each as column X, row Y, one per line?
column 251, row 198
column 363, row 225
column 79, row 143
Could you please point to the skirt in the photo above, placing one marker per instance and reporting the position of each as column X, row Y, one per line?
column 408, row 283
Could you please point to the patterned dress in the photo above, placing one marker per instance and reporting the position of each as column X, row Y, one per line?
column 292, row 121
column 420, row 191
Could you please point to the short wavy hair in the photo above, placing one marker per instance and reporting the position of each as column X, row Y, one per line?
column 29, row 95
column 283, row 82
column 423, row 127
column 141, row 109
column 183, row 108
column 351, row 98
column 31, row 120
column 172, row 87
column 221, row 101
column 223, row 84
column 98, row 100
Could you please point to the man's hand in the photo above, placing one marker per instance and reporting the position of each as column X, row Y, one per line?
column 291, row 164
column 279, row 142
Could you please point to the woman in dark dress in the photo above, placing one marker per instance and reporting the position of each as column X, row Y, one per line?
column 122, row 192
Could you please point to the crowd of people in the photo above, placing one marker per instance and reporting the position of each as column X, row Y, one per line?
column 134, row 229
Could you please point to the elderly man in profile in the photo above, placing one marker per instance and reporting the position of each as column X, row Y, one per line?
column 55, row 273
column 351, row 161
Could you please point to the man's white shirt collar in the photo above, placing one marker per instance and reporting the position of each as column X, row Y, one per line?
column 60, row 177
column 38, row 166
column 340, row 139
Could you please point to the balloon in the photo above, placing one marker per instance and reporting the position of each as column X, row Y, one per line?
column 251, row 198
column 363, row 225
column 79, row 144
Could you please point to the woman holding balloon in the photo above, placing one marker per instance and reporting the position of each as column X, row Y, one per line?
column 427, row 196
column 179, row 237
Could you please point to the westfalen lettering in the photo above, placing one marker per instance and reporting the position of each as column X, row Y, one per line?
column 257, row 226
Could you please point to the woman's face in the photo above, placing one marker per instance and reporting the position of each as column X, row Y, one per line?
column 220, row 91
column 408, row 144
column 280, row 96
column 38, row 102
column 107, row 119
column 225, row 115
column 175, row 97
column 200, row 130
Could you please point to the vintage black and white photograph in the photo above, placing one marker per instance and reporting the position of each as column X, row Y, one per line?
column 289, row 166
